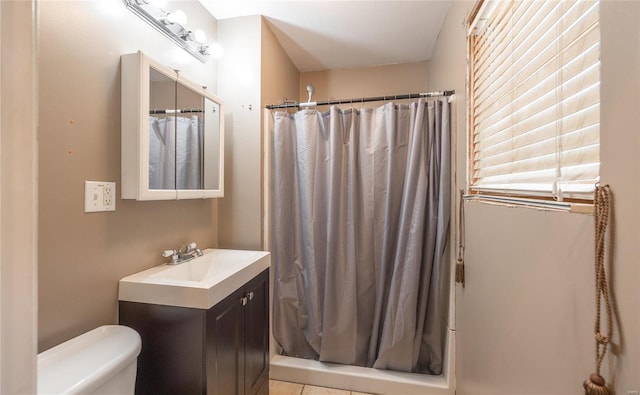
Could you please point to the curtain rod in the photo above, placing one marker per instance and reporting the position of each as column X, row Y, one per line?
column 360, row 100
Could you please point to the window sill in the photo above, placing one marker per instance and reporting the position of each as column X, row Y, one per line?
column 539, row 204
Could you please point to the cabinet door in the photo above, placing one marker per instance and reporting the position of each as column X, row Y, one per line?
column 256, row 332
column 171, row 360
column 225, row 343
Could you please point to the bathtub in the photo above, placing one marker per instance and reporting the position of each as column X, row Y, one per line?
column 369, row 380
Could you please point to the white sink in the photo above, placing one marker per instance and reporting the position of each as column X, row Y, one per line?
column 200, row 283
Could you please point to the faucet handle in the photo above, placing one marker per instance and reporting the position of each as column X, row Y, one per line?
column 190, row 247
column 168, row 253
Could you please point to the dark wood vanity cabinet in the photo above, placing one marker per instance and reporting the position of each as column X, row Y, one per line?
column 220, row 351
column 237, row 341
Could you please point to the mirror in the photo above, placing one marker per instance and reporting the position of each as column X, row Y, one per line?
column 178, row 133
column 162, row 131
column 190, row 125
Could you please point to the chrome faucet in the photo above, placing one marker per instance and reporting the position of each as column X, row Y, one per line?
column 180, row 256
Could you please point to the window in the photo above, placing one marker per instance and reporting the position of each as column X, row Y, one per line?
column 534, row 98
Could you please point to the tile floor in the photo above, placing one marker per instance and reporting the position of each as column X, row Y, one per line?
column 285, row 388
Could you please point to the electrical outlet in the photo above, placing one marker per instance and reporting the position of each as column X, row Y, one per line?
column 107, row 195
column 99, row 196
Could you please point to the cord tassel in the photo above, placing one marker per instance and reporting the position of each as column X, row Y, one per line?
column 460, row 272
column 595, row 385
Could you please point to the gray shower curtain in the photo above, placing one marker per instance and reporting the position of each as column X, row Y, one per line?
column 361, row 206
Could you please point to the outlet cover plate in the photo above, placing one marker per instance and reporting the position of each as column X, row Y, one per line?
column 99, row 196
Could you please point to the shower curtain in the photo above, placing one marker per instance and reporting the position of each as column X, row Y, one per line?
column 162, row 148
column 360, row 226
column 189, row 153
column 175, row 152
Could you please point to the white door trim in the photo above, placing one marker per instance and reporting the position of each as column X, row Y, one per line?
column 18, row 197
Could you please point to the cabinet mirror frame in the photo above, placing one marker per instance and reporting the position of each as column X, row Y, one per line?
column 136, row 71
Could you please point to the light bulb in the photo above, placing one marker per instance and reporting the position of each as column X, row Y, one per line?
column 177, row 16
column 199, row 36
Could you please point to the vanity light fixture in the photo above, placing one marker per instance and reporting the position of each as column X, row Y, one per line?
column 172, row 25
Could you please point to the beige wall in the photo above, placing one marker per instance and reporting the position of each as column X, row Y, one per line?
column 525, row 319
column 620, row 167
column 366, row 81
column 82, row 256
column 280, row 77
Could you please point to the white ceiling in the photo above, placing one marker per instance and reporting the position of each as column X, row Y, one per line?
column 324, row 34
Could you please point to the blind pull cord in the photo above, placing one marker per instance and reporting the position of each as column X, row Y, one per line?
column 460, row 260
column 595, row 384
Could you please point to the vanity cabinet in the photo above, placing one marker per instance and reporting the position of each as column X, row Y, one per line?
column 220, row 351
column 172, row 134
column 237, row 342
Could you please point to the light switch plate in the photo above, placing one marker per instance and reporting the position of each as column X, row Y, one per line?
column 99, row 196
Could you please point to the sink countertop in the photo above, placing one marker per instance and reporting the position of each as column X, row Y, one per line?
column 199, row 283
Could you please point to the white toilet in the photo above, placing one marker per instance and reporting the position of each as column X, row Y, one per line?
column 101, row 361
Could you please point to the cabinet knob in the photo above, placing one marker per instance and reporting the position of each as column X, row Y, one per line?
column 244, row 300
column 250, row 295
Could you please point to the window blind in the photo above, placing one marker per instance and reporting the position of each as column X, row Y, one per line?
column 534, row 98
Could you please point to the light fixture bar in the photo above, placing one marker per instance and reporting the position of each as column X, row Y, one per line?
column 139, row 10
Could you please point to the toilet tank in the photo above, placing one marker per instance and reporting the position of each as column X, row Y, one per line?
column 101, row 361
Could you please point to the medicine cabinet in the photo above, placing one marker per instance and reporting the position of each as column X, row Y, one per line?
column 172, row 134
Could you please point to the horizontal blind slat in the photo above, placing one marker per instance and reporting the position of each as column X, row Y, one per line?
column 535, row 90
column 539, row 96
column 503, row 61
column 540, row 42
column 496, row 37
column 573, row 42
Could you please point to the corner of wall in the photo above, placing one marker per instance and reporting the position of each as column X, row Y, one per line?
column 239, row 80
